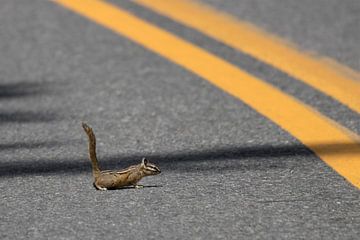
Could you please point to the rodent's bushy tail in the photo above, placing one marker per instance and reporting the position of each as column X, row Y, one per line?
column 92, row 150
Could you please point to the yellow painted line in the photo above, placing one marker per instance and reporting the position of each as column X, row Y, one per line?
column 307, row 125
column 335, row 80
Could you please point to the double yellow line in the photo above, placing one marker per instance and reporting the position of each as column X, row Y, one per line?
column 335, row 80
column 306, row 124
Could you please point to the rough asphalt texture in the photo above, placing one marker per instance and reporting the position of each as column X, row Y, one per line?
column 228, row 172
column 328, row 27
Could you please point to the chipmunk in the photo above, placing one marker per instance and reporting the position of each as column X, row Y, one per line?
column 114, row 179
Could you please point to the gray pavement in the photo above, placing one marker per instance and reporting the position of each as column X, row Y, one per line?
column 328, row 27
column 227, row 171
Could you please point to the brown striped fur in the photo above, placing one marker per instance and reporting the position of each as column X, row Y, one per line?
column 113, row 179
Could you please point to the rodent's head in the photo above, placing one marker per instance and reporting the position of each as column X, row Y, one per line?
column 149, row 168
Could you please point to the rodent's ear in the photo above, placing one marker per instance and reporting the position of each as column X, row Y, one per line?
column 144, row 161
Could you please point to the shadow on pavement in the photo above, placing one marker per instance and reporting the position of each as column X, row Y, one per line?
column 20, row 89
column 29, row 145
column 27, row 116
column 221, row 159
column 132, row 187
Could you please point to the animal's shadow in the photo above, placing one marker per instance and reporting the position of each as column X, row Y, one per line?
column 132, row 187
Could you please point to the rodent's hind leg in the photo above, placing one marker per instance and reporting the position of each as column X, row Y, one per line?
column 100, row 188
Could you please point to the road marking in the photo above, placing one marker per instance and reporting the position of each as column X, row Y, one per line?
column 333, row 79
column 303, row 122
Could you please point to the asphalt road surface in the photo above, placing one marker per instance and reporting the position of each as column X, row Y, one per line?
column 228, row 172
